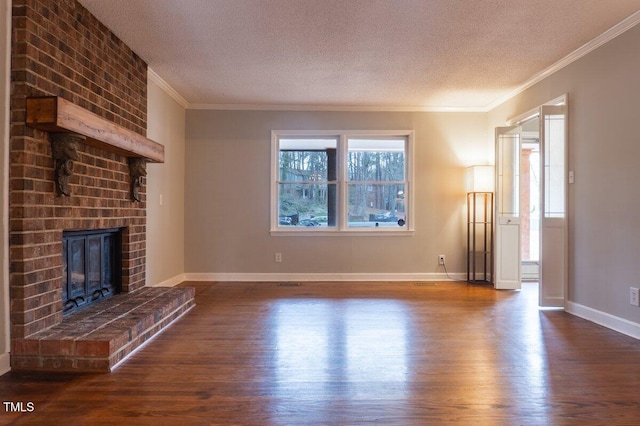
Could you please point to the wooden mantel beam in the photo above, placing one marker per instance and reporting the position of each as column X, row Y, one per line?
column 55, row 114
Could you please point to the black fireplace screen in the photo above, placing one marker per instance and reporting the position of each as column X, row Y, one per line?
column 91, row 267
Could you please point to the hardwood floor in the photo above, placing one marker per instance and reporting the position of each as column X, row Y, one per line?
column 353, row 353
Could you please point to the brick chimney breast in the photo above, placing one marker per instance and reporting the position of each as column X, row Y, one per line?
column 60, row 49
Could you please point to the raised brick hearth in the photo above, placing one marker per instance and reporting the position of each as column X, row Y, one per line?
column 100, row 336
column 59, row 49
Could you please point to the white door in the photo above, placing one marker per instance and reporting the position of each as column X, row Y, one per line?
column 553, row 233
column 507, row 242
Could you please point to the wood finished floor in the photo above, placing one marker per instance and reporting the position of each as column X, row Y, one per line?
column 354, row 353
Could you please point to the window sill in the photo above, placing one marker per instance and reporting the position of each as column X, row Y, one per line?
column 341, row 233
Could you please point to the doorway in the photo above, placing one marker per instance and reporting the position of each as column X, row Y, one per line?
column 530, row 185
column 531, row 201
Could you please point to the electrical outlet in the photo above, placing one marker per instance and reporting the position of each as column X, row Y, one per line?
column 278, row 257
column 633, row 296
column 441, row 259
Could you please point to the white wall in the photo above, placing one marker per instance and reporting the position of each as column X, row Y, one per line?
column 5, row 42
column 165, row 222
column 604, row 152
column 228, row 198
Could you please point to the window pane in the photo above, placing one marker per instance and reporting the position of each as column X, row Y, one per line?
column 380, row 205
column 376, row 160
column 307, row 204
column 554, row 166
column 508, row 173
column 340, row 180
column 307, row 160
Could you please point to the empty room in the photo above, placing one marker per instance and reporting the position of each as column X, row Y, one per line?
column 319, row 212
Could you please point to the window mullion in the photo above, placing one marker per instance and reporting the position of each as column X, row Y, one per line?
column 342, row 183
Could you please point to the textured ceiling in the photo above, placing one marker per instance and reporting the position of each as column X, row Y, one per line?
column 354, row 53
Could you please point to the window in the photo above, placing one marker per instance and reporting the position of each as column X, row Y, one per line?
column 336, row 182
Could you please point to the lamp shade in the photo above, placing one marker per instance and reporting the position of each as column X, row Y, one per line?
column 480, row 179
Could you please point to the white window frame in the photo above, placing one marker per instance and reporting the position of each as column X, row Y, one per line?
column 342, row 227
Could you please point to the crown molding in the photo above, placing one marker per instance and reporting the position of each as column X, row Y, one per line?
column 166, row 87
column 613, row 32
column 331, row 108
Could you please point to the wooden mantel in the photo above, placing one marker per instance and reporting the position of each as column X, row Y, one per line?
column 54, row 114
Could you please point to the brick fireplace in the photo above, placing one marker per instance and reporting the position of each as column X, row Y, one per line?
column 60, row 49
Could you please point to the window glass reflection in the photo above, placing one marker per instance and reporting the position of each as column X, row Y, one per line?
column 329, row 343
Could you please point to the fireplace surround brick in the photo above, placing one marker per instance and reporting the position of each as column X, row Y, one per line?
column 60, row 49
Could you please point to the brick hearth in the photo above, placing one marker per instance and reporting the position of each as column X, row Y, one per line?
column 100, row 336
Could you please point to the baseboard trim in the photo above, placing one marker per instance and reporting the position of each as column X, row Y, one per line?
column 256, row 277
column 604, row 319
column 5, row 363
column 171, row 282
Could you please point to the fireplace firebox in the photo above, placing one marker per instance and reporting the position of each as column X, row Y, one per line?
column 91, row 267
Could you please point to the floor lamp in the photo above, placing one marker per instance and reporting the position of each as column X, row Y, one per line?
column 480, row 183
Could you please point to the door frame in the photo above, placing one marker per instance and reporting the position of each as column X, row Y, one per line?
column 517, row 121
